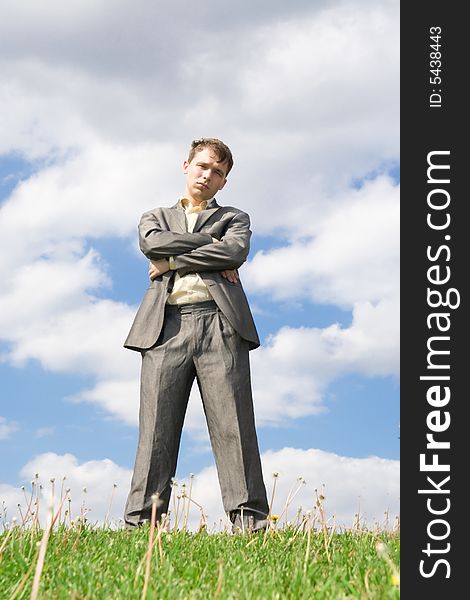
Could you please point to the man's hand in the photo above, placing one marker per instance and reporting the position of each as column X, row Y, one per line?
column 158, row 267
column 230, row 274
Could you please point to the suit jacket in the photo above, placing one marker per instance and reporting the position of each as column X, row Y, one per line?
column 162, row 233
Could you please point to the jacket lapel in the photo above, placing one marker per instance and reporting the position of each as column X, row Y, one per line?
column 206, row 214
column 177, row 218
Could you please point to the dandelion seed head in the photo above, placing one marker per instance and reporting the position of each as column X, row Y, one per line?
column 156, row 499
column 381, row 548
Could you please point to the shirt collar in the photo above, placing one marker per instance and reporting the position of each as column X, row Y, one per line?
column 188, row 208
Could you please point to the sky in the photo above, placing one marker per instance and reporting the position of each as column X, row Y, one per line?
column 100, row 102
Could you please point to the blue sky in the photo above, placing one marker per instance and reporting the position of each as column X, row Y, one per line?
column 308, row 102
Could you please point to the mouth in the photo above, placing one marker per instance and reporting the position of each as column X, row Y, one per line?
column 202, row 184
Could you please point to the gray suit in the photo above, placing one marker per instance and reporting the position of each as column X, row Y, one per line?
column 209, row 342
column 162, row 233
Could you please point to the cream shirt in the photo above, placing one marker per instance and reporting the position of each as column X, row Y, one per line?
column 190, row 288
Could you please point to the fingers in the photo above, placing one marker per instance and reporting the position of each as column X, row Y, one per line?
column 230, row 274
column 152, row 270
column 158, row 267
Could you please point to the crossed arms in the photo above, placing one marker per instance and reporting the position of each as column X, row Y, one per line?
column 224, row 248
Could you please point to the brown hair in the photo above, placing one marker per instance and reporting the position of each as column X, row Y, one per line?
column 222, row 151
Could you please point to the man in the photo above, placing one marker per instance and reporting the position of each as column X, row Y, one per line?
column 195, row 323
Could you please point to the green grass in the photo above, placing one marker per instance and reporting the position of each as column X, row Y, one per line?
column 96, row 563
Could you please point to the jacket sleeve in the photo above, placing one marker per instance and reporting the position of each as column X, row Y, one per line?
column 157, row 242
column 228, row 253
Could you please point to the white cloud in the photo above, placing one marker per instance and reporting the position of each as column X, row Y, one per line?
column 67, row 329
column 7, row 428
column 118, row 397
column 36, row 292
column 351, row 260
column 86, row 340
column 292, row 371
column 98, row 477
column 369, row 486
column 349, row 252
column 307, row 99
column 100, row 192
column 310, row 92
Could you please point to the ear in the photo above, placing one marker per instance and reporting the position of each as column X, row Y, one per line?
column 185, row 167
column 222, row 185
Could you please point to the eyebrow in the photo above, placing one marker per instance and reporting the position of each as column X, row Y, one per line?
column 204, row 164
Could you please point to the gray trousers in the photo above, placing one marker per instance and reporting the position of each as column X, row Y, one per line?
column 197, row 341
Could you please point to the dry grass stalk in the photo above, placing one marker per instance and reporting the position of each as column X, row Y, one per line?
column 42, row 552
column 326, row 538
column 220, row 579
column 307, row 551
column 51, row 519
column 10, row 531
column 159, row 540
column 186, row 514
column 28, row 503
column 106, row 519
column 61, row 499
column 22, row 582
column 292, row 494
column 150, row 545
column 270, row 515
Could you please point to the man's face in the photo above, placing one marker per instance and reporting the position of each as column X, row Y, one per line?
column 205, row 176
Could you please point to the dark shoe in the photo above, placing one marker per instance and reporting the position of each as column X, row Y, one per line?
column 247, row 521
column 134, row 526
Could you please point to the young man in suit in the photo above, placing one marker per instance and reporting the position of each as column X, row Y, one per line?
column 195, row 323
